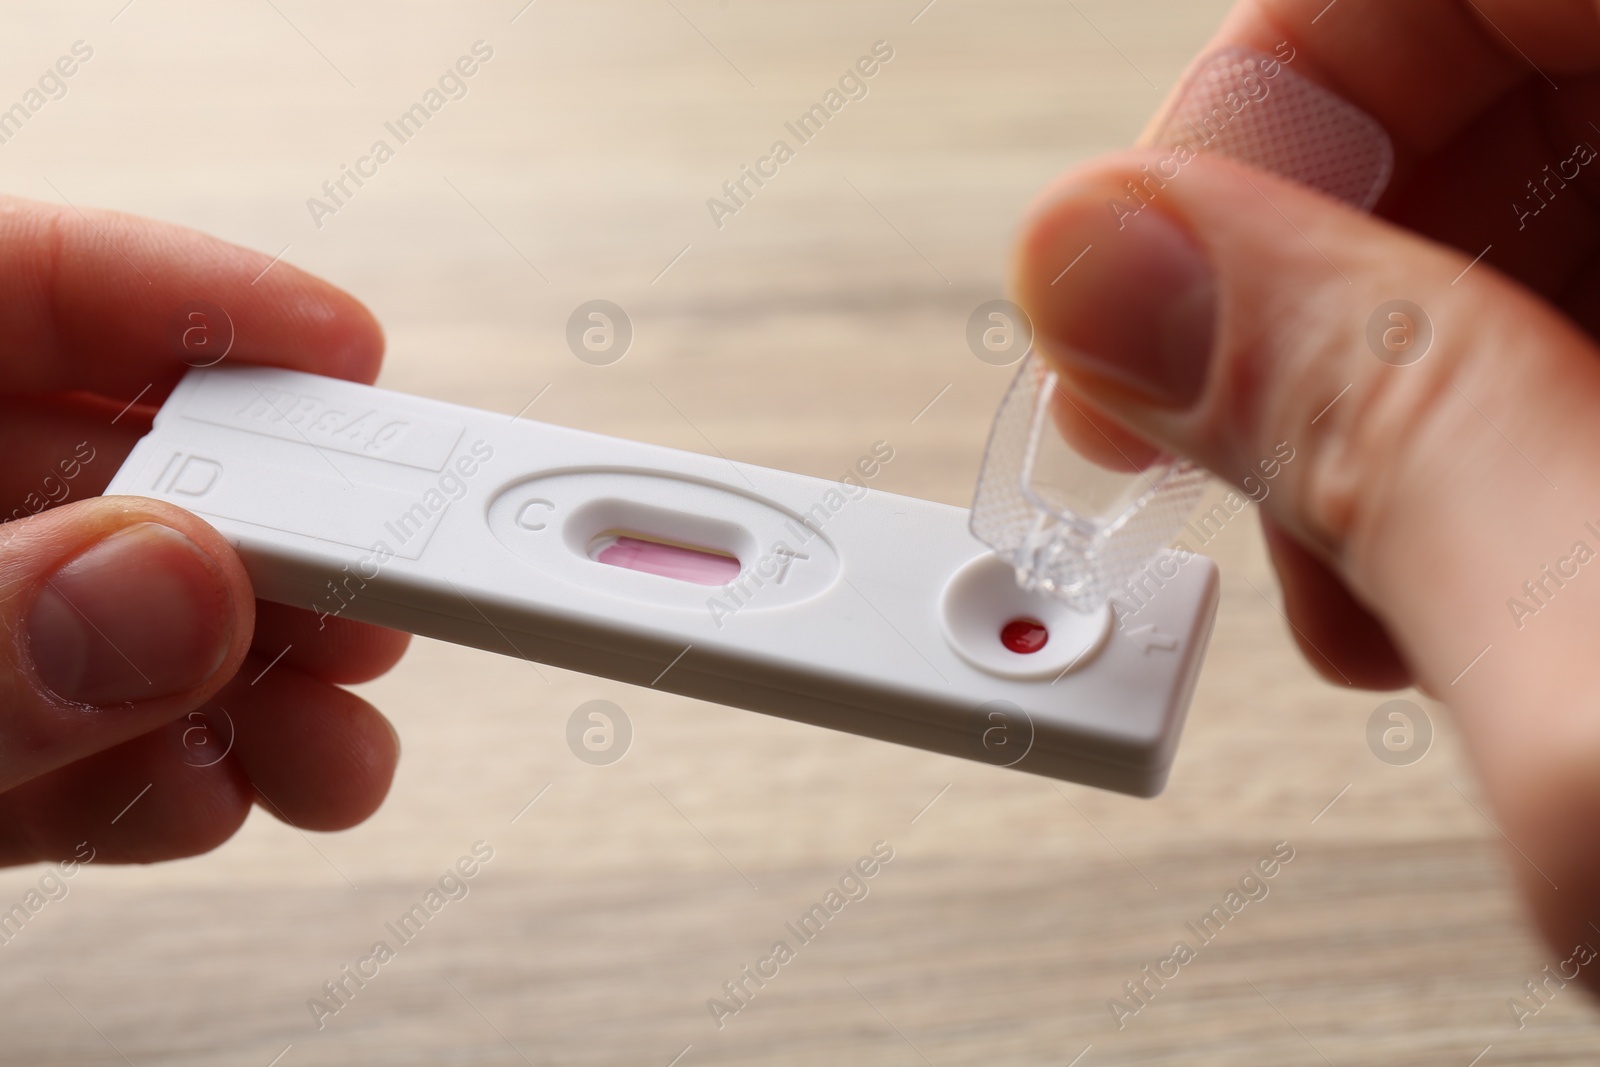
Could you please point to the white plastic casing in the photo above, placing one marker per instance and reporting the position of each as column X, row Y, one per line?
column 853, row 609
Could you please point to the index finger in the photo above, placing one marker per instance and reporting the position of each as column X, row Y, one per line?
column 90, row 298
column 1425, row 69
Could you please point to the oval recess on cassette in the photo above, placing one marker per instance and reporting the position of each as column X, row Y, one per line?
column 562, row 522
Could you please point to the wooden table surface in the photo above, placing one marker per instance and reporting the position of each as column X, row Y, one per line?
column 826, row 314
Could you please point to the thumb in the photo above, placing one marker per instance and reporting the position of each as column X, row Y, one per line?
column 1228, row 316
column 117, row 614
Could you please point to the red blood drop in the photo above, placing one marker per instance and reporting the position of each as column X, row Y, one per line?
column 1024, row 636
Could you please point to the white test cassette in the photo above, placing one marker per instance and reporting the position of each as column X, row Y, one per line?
column 824, row 602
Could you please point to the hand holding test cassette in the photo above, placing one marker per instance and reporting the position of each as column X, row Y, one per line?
column 1420, row 536
column 1072, row 652
column 835, row 605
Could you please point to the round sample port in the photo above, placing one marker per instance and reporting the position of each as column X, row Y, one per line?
column 1001, row 628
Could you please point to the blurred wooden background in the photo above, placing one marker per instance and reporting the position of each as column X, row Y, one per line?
column 825, row 315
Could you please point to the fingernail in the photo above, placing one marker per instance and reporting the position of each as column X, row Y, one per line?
column 136, row 616
column 1129, row 297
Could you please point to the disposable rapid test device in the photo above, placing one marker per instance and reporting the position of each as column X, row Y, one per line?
column 826, row 602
